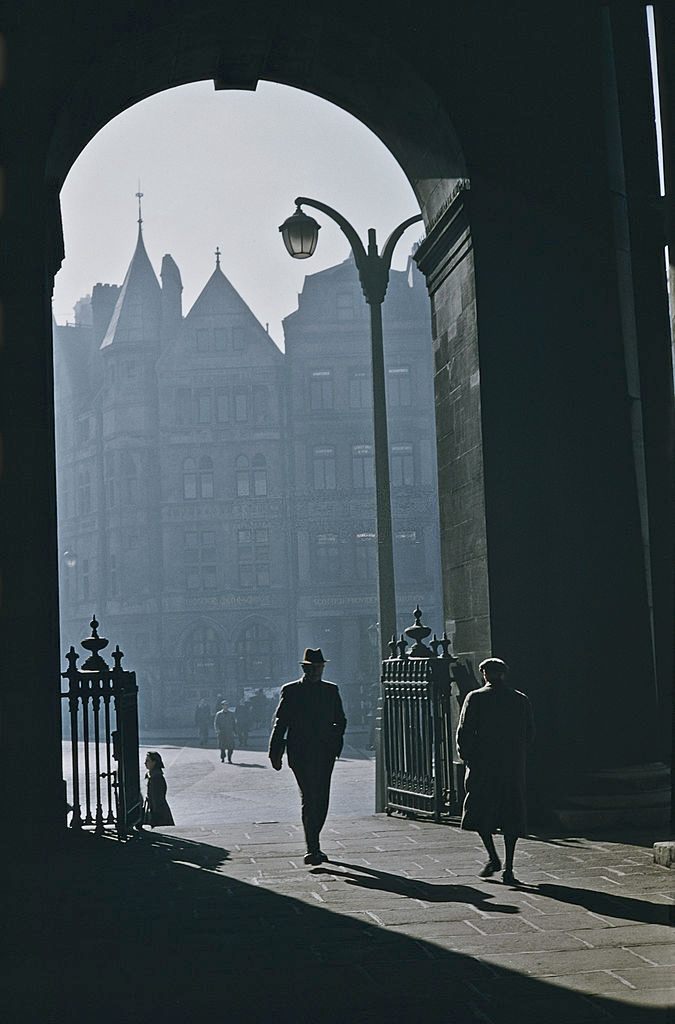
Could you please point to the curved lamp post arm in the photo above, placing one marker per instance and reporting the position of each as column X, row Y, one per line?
column 342, row 222
column 390, row 244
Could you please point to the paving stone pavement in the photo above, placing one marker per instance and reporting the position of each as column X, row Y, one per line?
column 226, row 921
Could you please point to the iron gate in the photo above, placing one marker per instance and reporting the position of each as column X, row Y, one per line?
column 103, row 714
column 419, row 724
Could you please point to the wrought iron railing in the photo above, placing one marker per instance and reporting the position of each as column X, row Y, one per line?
column 419, row 713
column 103, row 715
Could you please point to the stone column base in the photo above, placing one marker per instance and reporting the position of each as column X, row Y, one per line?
column 634, row 797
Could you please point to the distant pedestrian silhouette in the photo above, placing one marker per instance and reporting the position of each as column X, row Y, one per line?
column 157, row 810
column 226, row 730
column 203, row 721
column 309, row 725
column 495, row 729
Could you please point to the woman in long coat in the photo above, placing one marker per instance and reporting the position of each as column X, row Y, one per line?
column 157, row 810
column 495, row 729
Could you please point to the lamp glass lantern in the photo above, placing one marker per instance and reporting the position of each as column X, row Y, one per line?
column 300, row 234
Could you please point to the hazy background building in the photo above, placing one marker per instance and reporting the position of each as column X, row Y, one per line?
column 216, row 495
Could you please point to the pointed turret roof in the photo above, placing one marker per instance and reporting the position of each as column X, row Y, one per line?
column 136, row 317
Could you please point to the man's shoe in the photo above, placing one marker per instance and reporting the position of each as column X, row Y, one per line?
column 313, row 859
column 490, row 869
column 508, row 878
column 323, row 857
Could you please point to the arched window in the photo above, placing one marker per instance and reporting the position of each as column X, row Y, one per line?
column 205, row 477
column 189, row 479
column 242, row 477
column 259, row 476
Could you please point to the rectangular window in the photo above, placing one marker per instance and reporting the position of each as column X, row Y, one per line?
column 326, row 556
column 363, row 466
column 360, row 390
column 240, row 406
column 221, row 405
column 238, row 339
column 321, row 390
column 259, row 483
column 345, row 305
column 398, row 386
column 402, row 465
column 366, row 556
column 189, row 486
column 243, row 482
column 323, row 463
column 183, row 405
column 203, row 405
column 203, row 340
column 199, row 556
column 219, row 339
column 253, row 556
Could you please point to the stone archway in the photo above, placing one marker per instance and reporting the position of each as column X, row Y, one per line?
column 536, row 444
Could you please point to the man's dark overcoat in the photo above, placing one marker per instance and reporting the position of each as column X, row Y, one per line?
column 309, row 723
column 225, row 725
column 495, row 729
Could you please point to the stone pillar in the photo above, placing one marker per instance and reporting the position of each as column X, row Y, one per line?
column 542, row 547
column 33, row 802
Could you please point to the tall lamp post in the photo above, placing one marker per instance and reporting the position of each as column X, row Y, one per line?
column 300, row 234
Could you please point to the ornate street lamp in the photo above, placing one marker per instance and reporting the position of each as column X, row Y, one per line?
column 300, row 234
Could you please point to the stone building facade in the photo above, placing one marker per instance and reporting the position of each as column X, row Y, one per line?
column 216, row 495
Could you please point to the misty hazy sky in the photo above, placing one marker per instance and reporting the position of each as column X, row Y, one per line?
column 222, row 169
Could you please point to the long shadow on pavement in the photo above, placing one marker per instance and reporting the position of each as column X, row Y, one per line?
column 627, row 908
column 149, row 931
column 414, row 888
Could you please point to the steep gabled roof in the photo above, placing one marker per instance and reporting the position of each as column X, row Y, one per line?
column 220, row 298
column 136, row 317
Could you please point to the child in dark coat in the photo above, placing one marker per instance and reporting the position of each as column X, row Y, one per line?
column 157, row 810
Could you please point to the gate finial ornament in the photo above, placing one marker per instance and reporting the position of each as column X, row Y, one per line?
column 418, row 633
column 94, row 643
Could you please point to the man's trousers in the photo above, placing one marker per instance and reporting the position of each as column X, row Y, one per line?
column 313, row 778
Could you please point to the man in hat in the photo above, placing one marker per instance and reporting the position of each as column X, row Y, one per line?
column 496, row 727
column 226, row 730
column 309, row 725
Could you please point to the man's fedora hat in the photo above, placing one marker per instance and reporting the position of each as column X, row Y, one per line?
column 494, row 664
column 313, row 657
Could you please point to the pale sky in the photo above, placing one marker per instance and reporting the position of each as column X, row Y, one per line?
column 222, row 169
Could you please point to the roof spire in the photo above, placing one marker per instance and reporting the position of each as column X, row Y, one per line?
column 218, row 255
column 139, row 196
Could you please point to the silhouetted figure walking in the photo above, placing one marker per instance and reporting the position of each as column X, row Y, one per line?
column 225, row 725
column 157, row 810
column 203, row 721
column 309, row 724
column 496, row 727
column 243, row 719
